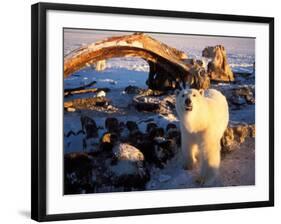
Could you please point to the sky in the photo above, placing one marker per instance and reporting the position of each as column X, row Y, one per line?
column 73, row 38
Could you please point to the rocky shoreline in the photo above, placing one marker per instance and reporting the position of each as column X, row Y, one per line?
column 128, row 139
column 124, row 157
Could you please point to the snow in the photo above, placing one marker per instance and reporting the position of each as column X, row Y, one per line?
column 101, row 94
column 164, row 178
column 173, row 176
column 117, row 77
column 73, row 143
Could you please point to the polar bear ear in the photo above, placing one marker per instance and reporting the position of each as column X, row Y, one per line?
column 201, row 91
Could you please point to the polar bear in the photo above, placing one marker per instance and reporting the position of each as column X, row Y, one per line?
column 203, row 119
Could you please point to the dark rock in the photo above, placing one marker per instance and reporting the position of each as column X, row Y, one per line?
column 133, row 90
column 152, row 92
column 150, row 126
column 175, row 135
column 167, row 105
column 228, row 140
column 124, row 133
column 129, row 171
column 123, row 170
column 170, row 126
column 241, row 132
column 132, row 125
column 89, row 127
column 170, row 104
column 164, row 150
column 250, row 99
column 122, row 125
column 238, row 100
column 101, row 102
column 147, row 148
column 91, row 145
column 156, row 132
column 252, row 130
column 112, row 124
column 247, row 93
column 136, row 137
column 157, row 104
column 77, row 173
column 149, row 107
column 240, row 96
column 132, row 181
column 156, row 149
column 235, row 135
column 144, row 103
column 108, row 140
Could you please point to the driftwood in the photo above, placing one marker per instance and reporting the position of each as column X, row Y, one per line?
column 87, row 103
column 83, row 89
column 139, row 45
column 93, row 90
column 80, row 87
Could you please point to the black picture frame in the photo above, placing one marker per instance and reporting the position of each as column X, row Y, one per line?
column 39, row 122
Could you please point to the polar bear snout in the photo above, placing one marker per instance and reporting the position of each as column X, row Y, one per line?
column 188, row 104
column 187, row 101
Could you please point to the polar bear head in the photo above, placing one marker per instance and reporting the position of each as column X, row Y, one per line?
column 188, row 100
column 190, row 104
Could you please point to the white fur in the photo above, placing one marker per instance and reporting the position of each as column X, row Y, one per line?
column 202, row 129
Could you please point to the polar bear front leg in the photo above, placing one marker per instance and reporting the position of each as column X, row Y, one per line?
column 190, row 152
column 210, row 163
